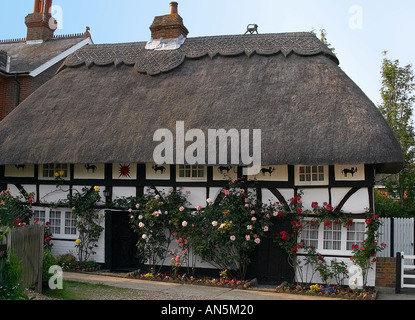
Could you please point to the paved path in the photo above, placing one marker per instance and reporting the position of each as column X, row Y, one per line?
column 201, row 292
column 214, row 293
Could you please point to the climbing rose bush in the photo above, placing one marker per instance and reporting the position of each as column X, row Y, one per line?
column 226, row 232
column 223, row 233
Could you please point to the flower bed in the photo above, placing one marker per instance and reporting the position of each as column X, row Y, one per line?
column 318, row 290
column 330, row 291
column 184, row 279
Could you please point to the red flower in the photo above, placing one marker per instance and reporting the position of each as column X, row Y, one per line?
column 355, row 246
column 299, row 211
column 368, row 221
column 280, row 214
column 383, row 245
column 320, row 256
column 314, row 205
column 329, row 207
column 327, row 223
column 374, row 260
column 283, row 235
column 294, row 249
column 375, row 216
column 296, row 224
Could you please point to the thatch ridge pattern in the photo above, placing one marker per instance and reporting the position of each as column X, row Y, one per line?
column 153, row 62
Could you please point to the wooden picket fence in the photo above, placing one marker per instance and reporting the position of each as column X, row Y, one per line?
column 399, row 235
column 27, row 242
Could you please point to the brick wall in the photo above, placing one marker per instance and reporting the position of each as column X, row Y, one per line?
column 9, row 89
column 8, row 95
column 386, row 272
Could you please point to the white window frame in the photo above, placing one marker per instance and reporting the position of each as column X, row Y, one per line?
column 297, row 173
column 181, row 167
column 343, row 240
column 62, row 224
column 56, row 168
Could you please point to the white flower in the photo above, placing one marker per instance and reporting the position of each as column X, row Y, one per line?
column 137, row 206
column 181, row 208
column 140, row 217
column 257, row 240
column 233, row 238
column 129, row 210
column 141, row 225
column 214, row 223
column 253, row 219
column 209, row 200
column 265, row 228
column 184, row 223
column 144, row 236
column 249, row 227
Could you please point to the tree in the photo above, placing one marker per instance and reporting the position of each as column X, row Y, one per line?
column 397, row 102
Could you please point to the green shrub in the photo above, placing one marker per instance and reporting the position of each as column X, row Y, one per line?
column 11, row 275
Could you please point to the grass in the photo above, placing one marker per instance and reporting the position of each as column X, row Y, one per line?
column 73, row 290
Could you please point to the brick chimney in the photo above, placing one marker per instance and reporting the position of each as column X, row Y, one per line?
column 40, row 24
column 169, row 26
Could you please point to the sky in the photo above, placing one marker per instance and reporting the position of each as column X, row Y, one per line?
column 359, row 30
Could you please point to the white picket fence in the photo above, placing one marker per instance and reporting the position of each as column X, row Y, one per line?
column 398, row 234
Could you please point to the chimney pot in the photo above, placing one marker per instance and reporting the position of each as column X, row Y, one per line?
column 173, row 8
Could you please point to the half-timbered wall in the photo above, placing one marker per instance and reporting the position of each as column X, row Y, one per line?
column 347, row 186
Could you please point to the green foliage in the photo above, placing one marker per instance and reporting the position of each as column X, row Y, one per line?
column 365, row 256
column 155, row 220
column 48, row 261
column 388, row 207
column 290, row 240
column 88, row 221
column 10, row 278
column 14, row 211
column 228, row 231
column 222, row 233
column 67, row 261
column 398, row 84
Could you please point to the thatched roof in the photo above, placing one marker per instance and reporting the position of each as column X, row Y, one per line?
column 108, row 100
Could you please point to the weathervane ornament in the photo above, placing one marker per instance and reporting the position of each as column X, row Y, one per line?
column 252, row 28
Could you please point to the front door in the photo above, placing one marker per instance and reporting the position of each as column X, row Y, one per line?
column 269, row 263
column 124, row 251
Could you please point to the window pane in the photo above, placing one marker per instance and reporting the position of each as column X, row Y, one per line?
column 309, row 234
column 39, row 215
column 70, row 223
column 55, row 222
column 332, row 237
column 355, row 235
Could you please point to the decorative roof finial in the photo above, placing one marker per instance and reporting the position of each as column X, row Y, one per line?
column 251, row 28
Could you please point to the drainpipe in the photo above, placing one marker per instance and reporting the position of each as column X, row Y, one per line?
column 19, row 85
